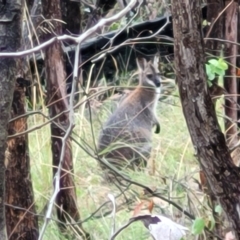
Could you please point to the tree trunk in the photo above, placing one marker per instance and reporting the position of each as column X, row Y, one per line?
column 215, row 30
column 20, row 210
column 66, row 201
column 21, row 218
column 230, row 81
column 198, row 109
column 238, row 65
column 10, row 37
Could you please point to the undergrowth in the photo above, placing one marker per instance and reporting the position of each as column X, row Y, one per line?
column 171, row 172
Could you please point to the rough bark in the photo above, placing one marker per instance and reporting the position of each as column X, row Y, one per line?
column 212, row 47
column 230, row 81
column 22, row 222
column 10, row 37
column 198, row 109
column 20, row 210
column 238, row 70
column 215, row 30
column 66, row 201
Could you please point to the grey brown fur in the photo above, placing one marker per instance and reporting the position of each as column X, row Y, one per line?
column 126, row 137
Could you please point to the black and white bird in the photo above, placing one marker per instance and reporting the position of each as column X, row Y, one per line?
column 160, row 227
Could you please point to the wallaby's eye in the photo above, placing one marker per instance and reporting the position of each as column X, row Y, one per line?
column 150, row 76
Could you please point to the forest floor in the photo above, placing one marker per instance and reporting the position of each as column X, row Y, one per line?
column 172, row 171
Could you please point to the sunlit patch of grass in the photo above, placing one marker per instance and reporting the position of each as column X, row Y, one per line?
column 41, row 166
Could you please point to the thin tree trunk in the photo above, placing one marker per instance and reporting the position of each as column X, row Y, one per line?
column 20, row 210
column 10, row 37
column 208, row 140
column 21, row 218
column 230, row 81
column 67, row 210
column 215, row 30
column 238, row 64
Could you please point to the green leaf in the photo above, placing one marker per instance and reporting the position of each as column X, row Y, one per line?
column 114, row 26
column 219, row 71
column 198, row 226
column 218, row 209
column 213, row 62
column 216, row 67
column 210, row 72
column 208, row 69
column 205, row 23
column 211, row 77
column 222, row 64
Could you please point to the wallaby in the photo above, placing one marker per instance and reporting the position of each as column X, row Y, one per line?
column 126, row 137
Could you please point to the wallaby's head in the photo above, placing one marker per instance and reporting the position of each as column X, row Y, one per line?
column 149, row 74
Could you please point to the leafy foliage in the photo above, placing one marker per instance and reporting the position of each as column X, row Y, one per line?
column 198, row 226
column 215, row 68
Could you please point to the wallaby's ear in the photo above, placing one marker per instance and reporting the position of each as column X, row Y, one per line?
column 142, row 64
column 156, row 61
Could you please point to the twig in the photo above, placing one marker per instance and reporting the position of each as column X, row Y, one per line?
column 215, row 20
column 122, row 228
column 146, row 188
column 121, row 30
column 64, row 143
column 134, row 40
column 223, row 40
column 49, row 120
column 93, row 214
column 112, row 199
column 57, row 176
column 103, row 22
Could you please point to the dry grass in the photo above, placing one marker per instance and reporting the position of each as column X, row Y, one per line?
column 170, row 172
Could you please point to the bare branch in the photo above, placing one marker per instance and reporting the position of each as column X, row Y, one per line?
column 80, row 39
column 134, row 40
column 122, row 228
column 215, row 20
column 112, row 199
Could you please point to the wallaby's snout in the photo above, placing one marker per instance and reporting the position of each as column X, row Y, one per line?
column 155, row 78
column 157, row 82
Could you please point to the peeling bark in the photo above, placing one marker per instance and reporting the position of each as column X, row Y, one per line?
column 10, row 37
column 67, row 210
column 21, row 218
column 215, row 30
column 238, row 65
column 208, row 140
column 20, row 210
